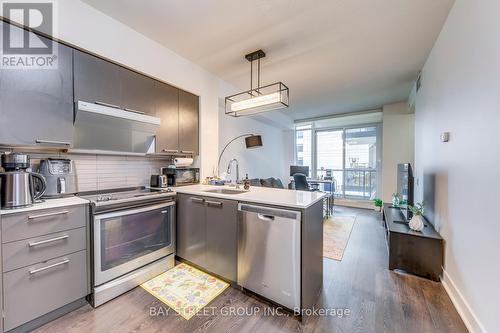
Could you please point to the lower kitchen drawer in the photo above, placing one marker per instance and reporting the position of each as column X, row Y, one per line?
column 33, row 291
column 30, row 251
column 41, row 222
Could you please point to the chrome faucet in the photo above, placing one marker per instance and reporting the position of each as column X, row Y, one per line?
column 237, row 170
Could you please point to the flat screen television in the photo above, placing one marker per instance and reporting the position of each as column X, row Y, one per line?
column 405, row 188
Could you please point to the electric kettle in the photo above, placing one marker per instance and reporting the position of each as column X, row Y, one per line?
column 18, row 188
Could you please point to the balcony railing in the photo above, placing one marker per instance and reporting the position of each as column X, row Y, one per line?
column 356, row 183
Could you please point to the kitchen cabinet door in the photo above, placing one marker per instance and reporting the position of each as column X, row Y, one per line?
column 188, row 122
column 167, row 109
column 36, row 105
column 97, row 80
column 191, row 229
column 138, row 92
column 222, row 237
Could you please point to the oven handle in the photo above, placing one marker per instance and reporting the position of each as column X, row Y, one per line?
column 133, row 211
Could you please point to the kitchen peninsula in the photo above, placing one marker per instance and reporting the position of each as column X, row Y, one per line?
column 266, row 240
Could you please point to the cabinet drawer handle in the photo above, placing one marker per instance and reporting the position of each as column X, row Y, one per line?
column 134, row 111
column 200, row 200
column 32, row 217
column 55, row 239
column 169, row 151
column 214, row 203
column 41, row 269
column 52, row 142
column 187, row 151
column 108, row 105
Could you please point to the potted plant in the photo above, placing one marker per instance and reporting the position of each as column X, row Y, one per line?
column 377, row 204
column 417, row 220
column 396, row 199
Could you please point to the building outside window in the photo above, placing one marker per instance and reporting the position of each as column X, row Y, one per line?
column 349, row 154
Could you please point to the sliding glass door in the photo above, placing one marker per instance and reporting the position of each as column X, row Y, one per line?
column 330, row 156
column 352, row 156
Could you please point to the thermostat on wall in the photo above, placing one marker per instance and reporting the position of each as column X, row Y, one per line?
column 445, row 136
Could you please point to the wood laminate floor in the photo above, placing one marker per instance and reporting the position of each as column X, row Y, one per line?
column 378, row 300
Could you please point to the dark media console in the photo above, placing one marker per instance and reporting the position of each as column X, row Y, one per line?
column 420, row 253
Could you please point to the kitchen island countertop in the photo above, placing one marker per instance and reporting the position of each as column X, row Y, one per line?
column 261, row 195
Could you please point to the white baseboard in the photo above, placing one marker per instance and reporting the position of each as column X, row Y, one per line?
column 464, row 310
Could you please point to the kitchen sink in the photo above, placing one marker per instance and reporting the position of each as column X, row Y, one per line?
column 225, row 191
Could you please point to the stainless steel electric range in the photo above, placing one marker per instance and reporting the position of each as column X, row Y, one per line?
column 133, row 239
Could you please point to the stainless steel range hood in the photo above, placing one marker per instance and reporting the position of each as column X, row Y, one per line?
column 106, row 130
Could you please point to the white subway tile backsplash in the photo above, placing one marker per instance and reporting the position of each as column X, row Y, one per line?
column 100, row 172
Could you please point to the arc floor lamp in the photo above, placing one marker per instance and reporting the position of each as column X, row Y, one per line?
column 251, row 141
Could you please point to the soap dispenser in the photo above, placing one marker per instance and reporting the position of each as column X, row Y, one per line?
column 246, row 182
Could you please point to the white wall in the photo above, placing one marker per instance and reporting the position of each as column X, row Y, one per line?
column 460, row 179
column 398, row 142
column 270, row 160
column 85, row 27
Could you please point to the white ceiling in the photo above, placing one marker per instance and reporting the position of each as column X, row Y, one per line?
column 335, row 55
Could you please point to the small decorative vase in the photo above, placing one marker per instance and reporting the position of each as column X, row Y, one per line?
column 416, row 223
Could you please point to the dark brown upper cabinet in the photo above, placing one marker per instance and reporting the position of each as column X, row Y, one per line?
column 138, row 92
column 96, row 80
column 103, row 82
column 36, row 105
column 167, row 109
column 188, row 123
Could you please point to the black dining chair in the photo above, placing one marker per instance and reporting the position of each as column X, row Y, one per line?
column 301, row 183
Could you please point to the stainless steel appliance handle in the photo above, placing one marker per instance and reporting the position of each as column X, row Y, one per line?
column 107, row 104
column 41, row 269
column 134, row 111
column 269, row 211
column 52, row 142
column 55, row 239
column 214, row 203
column 43, row 185
column 263, row 217
column 133, row 211
column 32, row 217
column 198, row 200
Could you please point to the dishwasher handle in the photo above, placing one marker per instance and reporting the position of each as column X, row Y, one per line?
column 263, row 217
column 269, row 213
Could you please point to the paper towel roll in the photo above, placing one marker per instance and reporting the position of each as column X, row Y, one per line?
column 183, row 161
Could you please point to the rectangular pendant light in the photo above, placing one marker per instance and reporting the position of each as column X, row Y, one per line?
column 262, row 99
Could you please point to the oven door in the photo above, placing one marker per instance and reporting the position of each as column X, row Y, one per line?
column 128, row 239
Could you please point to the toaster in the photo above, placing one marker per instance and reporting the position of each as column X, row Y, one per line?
column 159, row 181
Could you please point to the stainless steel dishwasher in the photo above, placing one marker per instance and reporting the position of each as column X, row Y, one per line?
column 269, row 253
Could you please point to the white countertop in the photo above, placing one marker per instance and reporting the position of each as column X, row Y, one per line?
column 48, row 203
column 261, row 195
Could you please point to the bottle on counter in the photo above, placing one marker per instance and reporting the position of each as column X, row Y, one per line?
column 246, row 183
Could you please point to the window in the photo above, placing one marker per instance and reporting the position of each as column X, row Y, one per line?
column 349, row 154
